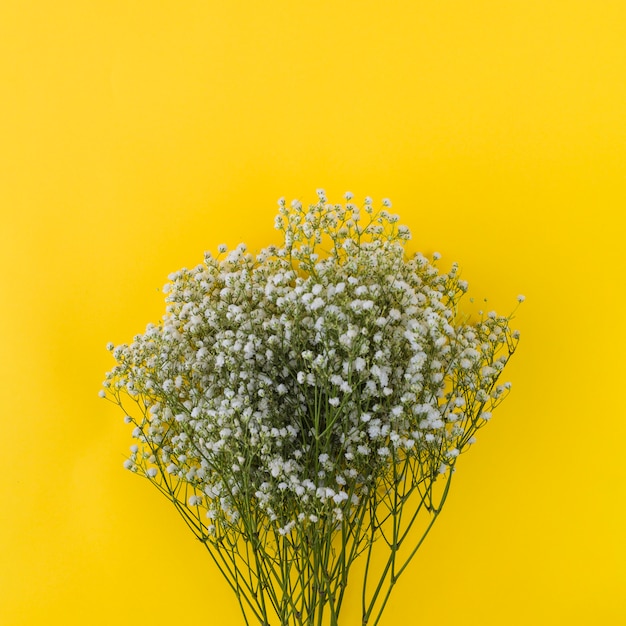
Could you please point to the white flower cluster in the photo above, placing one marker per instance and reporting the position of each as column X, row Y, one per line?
column 290, row 382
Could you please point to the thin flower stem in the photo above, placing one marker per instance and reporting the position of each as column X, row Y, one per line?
column 394, row 579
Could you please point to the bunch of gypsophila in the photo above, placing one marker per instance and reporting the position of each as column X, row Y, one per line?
column 304, row 408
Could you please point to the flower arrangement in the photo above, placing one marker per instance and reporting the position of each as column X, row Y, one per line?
column 304, row 408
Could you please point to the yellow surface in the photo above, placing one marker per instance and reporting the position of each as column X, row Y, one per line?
column 134, row 135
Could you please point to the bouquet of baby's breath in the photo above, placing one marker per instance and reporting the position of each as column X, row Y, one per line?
column 306, row 406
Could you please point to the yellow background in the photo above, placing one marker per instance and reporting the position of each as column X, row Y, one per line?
column 136, row 134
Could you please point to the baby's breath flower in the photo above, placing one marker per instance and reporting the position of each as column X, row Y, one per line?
column 287, row 396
